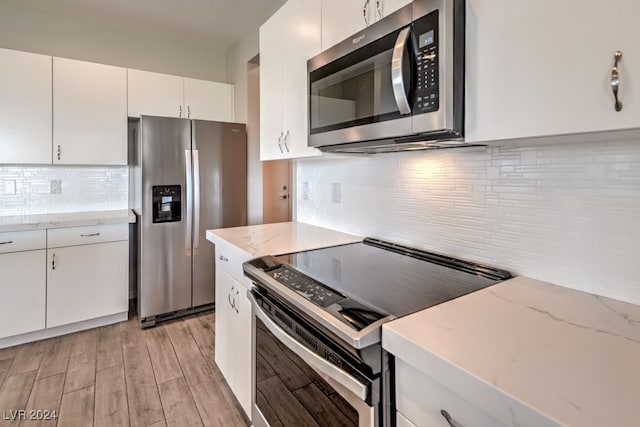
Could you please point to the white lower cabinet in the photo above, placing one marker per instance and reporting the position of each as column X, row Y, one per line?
column 23, row 284
column 87, row 273
column 420, row 402
column 233, row 336
column 62, row 280
column 86, row 282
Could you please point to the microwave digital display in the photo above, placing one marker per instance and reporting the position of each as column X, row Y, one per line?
column 426, row 39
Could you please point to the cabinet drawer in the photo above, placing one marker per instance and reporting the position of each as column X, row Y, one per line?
column 16, row 241
column 420, row 399
column 230, row 259
column 72, row 236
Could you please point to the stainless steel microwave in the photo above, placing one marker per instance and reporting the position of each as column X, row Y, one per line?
column 398, row 85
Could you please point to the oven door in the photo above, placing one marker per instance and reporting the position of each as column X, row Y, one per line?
column 363, row 94
column 293, row 386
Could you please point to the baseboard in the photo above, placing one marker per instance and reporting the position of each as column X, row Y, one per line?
column 63, row 330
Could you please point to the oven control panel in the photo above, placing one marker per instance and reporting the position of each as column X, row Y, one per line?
column 306, row 287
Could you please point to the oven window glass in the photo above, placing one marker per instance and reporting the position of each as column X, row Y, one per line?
column 290, row 393
column 355, row 89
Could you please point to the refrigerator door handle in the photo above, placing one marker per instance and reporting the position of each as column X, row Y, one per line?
column 189, row 191
column 196, row 199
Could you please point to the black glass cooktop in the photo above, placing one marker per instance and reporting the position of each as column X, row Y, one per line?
column 394, row 279
column 361, row 283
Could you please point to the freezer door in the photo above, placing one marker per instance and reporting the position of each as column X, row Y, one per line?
column 220, row 194
column 165, row 247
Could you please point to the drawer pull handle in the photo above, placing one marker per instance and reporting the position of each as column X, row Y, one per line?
column 90, row 235
column 7, row 242
column 615, row 79
column 222, row 258
column 53, row 262
column 447, row 417
column 235, row 306
column 365, row 12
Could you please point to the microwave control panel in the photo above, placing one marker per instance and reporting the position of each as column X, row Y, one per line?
column 427, row 92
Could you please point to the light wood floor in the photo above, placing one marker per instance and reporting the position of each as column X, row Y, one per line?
column 119, row 375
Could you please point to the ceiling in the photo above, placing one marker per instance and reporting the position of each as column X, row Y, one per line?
column 211, row 24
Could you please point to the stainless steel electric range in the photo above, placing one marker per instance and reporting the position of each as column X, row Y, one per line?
column 318, row 319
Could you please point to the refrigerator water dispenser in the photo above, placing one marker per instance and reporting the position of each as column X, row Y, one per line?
column 167, row 204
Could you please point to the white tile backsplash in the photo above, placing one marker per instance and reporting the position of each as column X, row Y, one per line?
column 567, row 214
column 83, row 189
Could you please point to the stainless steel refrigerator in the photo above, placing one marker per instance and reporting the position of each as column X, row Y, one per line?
column 186, row 176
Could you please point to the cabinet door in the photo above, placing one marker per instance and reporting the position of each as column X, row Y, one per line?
column 205, row 100
column 302, row 35
column 402, row 421
column 23, row 292
column 534, row 69
column 87, row 282
column 341, row 19
column 25, row 107
column 272, row 86
column 89, row 113
column 225, row 325
column 420, row 399
column 387, row 7
column 154, row 94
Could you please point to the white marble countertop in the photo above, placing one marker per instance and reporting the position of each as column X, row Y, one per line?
column 66, row 219
column 280, row 238
column 530, row 353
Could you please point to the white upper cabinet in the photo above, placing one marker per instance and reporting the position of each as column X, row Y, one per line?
column 341, row 19
column 25, row 107
column 537, row 69
column 272, row 87
column 89, row 113
column 387, row 7
column 206, row 100
column 155, row 94
column 287, row 40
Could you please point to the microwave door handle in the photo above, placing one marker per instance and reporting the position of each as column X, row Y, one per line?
column 397, row 78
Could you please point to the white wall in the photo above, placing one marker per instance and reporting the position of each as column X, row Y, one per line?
column 247, row 111
column 51, row 33
column 566, row 214
column 246, row 105
column 25, row 190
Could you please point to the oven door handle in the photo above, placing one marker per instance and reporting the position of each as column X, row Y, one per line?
column 325, row 369
column 397, row 77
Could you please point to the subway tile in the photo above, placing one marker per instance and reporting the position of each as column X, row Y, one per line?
column 561, row 213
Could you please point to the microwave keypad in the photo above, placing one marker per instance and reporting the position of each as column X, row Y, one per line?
column 427, row 85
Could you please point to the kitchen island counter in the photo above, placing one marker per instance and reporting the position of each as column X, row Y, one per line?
column 530, row 353
column 280, row 238
column 65, row 219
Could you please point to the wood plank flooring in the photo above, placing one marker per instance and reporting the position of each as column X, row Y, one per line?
column 119, row 375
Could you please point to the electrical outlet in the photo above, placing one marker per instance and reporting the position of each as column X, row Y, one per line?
column 336, row 192
column 8, row 186
column 56, row 186
column 305, row 190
